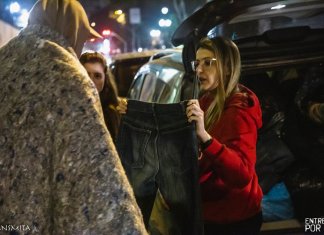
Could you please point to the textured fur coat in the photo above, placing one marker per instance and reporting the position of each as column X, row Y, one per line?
column 59, row 170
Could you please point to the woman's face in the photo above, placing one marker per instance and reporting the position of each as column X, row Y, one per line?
column 96, row 73
column 206, row 69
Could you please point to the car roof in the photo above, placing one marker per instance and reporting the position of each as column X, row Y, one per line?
column 165, row 52
column 173, row 60
column 134, row 55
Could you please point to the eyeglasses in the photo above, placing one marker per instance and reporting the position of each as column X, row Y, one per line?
column 207, row 62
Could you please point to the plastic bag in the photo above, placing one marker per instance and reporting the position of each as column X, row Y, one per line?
column 277, row 204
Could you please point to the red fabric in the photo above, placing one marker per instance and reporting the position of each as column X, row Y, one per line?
column 229, row 184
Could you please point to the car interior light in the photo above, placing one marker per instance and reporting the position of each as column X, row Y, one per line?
column 278, row 7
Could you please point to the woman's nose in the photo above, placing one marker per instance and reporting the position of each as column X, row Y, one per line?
column 199, row 68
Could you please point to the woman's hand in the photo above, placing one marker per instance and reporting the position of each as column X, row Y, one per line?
column 194, row 113
column 122, row 105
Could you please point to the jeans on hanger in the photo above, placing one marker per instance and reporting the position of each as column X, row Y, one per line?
column 158, row 149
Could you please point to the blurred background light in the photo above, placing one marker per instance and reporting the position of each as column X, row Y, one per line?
column 118, row 12
column 165, row 23
column 165, row 10
column 22, row 20
column 106, row 32
column 105, row 47
column 14, row 7
column 155, row 33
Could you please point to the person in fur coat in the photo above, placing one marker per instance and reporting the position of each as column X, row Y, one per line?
column 59, row 170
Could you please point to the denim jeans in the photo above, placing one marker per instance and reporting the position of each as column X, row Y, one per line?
column 158, row 149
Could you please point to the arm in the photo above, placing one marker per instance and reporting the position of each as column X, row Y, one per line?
column 232, row 152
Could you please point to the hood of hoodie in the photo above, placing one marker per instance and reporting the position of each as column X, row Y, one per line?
column 246, row 99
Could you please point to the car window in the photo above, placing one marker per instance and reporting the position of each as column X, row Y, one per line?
column 171, row 78
column 136, row 87
column 163, row 86
column 124, row 72
column 149, row 88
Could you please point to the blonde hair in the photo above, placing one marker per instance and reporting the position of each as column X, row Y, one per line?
column 228, row 66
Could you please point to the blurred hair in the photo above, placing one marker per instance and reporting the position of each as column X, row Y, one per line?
column 228, row 66
column 109, row 93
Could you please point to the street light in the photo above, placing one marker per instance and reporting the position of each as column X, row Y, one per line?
column 164, row 10
column 155, row 33
column 156, row 40
column 165, row 23
column 14, row 7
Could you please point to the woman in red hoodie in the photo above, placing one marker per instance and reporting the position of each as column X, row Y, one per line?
column 227, row 118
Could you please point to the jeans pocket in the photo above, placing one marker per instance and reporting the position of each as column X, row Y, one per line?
column 131, row 145
column 178, row 148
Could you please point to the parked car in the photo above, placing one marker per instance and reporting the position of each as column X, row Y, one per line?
column 282, row 51
column 125, row 65
column 161, row 80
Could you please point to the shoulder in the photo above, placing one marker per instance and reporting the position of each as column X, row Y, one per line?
column 55, row 72
column 54, row 54
column 61, row 65
column 244, row 106
column 244, row 98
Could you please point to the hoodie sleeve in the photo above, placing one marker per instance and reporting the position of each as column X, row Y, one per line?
column 232, row 153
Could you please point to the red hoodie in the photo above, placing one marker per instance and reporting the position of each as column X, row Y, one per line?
column 229, row 184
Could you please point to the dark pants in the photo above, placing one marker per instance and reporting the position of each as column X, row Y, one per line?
column 158, row 149
column 249, row 226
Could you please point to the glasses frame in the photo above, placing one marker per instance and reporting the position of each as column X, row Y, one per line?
column 207, row 62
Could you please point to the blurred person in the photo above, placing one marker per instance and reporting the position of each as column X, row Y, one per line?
column 316, row 112
column 310, row 96
column 59, row 170
column 227, row 118
column 96, row 66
